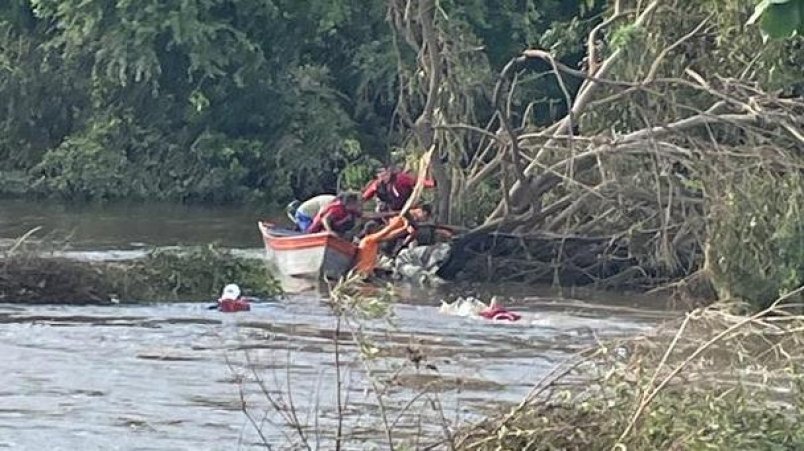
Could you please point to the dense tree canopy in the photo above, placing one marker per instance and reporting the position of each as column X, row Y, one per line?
column 224, row 100
column 656, row 125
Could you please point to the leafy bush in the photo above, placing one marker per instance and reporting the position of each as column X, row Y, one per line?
column 193, row 273
column 757, row 237
column 117, row 158
column 360, row 169
column 92, row 165
column 780, row 18
column 28, row 275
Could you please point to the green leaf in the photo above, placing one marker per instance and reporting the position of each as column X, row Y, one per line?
column 780, row 20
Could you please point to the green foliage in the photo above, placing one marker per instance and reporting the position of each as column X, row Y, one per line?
column 43, row 95
column 195, row 273
column 218, row 169
column 87, row 166
column 361, row 168
column 475, row 207
column 757, row 237
column 186, row 274
column 14, row 183
column 221, row 101
column 779, row 19
column 733, row 419
column 625, row 36
column 727, row 49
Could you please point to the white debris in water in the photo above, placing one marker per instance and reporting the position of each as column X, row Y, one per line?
column 419, row 264
column 469, row 306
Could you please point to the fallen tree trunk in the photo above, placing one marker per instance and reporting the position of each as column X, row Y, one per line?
column 546, row 258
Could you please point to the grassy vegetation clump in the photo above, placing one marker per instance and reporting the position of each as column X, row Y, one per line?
column 716, row 381
column 29, row 275
column 188, row 273
column 32, row 279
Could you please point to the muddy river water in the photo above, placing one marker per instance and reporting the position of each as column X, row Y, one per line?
column 177, row 376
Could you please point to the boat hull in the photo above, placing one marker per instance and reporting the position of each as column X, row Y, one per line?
column 302, row 261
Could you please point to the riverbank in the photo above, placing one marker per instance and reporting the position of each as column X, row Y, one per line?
column 710, row 381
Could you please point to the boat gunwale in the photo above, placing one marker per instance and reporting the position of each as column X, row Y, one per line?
column 305, row 241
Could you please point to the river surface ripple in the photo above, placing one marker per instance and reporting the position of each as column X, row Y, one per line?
column 170, row 376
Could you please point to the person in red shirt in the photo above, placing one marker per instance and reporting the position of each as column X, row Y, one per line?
column 392, row 189
column 231, row 300
column 339, row 216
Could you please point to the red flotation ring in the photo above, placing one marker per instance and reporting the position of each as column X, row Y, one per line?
column 500, row 314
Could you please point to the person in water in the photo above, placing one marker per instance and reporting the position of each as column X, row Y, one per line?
column 305, row 213
column 392, row 189
column 339, row 216
column 231, row 300
column 398, row 227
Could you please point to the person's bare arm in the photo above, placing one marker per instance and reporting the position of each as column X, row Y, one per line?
column 411, row 236
column 409, row 240
column 326, row 224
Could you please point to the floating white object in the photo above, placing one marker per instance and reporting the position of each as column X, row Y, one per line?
column 468, row 306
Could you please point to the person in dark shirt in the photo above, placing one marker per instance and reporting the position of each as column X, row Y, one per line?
column 399, row 228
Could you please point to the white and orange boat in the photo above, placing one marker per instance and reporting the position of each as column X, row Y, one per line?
column 302, row 260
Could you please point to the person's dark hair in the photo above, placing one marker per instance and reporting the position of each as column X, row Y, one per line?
column 426, row 208
column 390, row 169
column 369, row 228
column 293, row 206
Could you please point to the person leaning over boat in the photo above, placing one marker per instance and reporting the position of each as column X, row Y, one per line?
column 339, row 216
column 400, row 226
column 392, row 189
column 306, row 212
